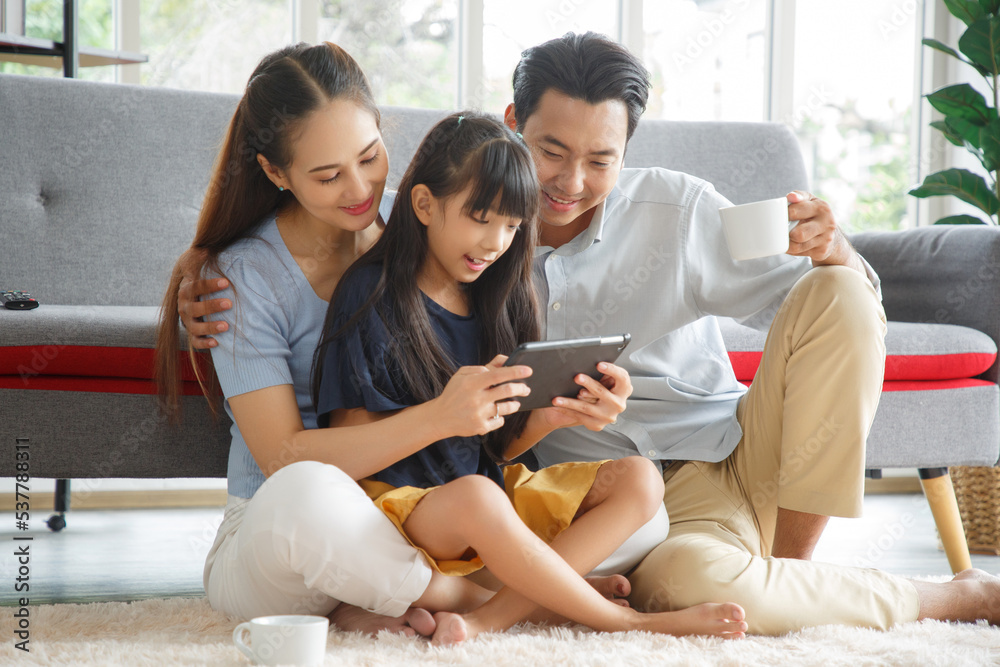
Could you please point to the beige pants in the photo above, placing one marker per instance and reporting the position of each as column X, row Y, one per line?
column 805, row 421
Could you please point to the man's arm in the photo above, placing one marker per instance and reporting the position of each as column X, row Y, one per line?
column 191, row 310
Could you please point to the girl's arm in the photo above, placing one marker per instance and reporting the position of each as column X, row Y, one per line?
column 362, row 443
column 598, row 404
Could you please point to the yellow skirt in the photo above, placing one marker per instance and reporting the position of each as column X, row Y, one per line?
column 547, row 501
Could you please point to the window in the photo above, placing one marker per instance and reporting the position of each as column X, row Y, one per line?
column 511, row 26
column 706, row 59
column 408, row 48
column 209, row 45
column 44, row 19
column 853, row 107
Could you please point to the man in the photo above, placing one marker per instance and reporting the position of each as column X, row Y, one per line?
column 752, row 476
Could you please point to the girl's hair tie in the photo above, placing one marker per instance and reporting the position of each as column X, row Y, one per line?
column 460, row 119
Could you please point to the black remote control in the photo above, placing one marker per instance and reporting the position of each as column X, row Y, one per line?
column 17, row 300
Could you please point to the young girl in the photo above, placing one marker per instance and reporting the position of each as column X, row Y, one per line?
column 434, row 305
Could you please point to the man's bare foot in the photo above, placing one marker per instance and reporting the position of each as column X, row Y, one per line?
column 973, row 573
column 614, row 587
column 984, row 591
column 451, row 629
column 355, row 619
column 971, row 596
column 724, row 620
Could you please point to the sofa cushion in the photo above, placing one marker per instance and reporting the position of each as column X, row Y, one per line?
column 914, row 353
column 110, row 348
column 83, row 348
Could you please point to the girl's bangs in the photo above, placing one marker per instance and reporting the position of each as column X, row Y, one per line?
column 503, row 181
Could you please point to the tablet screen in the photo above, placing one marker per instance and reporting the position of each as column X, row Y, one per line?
column 555, row 363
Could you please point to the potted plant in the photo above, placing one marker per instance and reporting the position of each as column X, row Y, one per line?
column 969, row 119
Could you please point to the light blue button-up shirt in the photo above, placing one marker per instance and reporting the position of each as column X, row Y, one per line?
column 654, row 263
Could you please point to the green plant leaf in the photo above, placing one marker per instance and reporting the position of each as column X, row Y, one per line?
column 948, row 133
column 944, row 48
column 989, row 142
column 961, row 101
column 961, row 183
column 967, row 10
column 981, row 43
column 990, row 6
column 969, row 133
column 961, row 220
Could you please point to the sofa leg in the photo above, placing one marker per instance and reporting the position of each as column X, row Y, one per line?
column 941, row 497
column 57, row 521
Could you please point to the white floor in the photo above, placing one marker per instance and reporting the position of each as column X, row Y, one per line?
column 137, row 554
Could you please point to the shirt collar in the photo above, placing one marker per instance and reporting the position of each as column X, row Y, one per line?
column 588, row 237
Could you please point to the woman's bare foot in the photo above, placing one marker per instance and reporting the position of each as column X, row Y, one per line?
column 355, row 619
column 451, row 629
column 613, row 587
column 724, row 620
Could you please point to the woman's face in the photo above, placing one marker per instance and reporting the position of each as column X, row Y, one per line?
column 339, row 166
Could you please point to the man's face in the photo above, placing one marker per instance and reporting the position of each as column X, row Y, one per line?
column 578, row 150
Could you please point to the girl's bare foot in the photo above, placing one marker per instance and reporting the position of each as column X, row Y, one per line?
column 355, row 619
column 724, row 620
column 451, row 629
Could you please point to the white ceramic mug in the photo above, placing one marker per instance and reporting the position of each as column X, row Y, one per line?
column 283, row 640
column 757, row 229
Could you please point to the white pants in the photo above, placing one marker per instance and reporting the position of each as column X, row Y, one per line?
column 310, row 538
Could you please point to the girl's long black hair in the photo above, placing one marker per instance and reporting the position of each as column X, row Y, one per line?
column 464, row 150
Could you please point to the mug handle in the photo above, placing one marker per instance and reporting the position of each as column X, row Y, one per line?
column 238, row 633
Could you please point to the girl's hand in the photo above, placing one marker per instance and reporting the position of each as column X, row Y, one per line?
column 472, row 403
column 596, row 405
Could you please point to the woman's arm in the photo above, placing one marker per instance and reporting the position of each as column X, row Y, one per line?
column 362, row 443
column 271, row 425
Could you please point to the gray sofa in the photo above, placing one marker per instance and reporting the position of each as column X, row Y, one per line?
column 100, row 187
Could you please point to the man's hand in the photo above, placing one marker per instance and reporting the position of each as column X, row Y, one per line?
column 817, row 235
column 191, row 310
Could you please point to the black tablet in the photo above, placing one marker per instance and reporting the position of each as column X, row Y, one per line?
column 555, row 363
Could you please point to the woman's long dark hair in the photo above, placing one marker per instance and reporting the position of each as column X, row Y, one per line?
column 465, row 150
column 286, row 87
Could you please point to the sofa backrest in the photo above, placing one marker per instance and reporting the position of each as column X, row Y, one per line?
column 100, row 184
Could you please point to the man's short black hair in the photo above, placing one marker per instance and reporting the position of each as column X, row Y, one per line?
column 588, row 67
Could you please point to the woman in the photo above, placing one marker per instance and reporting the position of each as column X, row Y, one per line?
column 295, row 192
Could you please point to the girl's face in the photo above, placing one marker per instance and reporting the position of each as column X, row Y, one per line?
column 338, row 167
column 460, row 246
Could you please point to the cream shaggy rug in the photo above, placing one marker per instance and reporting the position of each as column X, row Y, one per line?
column 186, row 631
